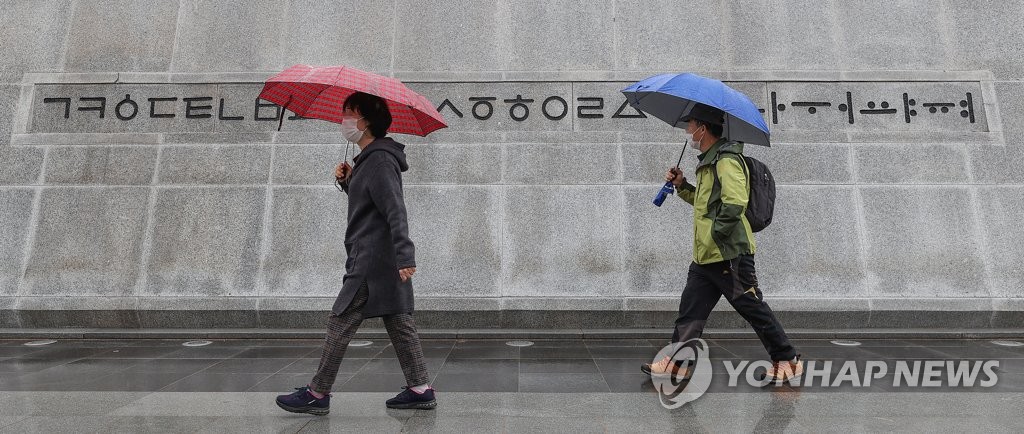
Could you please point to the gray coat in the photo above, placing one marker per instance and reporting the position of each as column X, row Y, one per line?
column 377, row 238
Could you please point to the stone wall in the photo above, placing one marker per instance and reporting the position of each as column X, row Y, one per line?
column 896, row 200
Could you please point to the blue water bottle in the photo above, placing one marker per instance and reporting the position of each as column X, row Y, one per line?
column 666, row 190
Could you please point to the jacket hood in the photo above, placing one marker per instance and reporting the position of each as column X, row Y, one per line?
column 386, row 144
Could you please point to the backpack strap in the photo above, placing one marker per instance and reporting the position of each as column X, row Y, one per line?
column 743, row 164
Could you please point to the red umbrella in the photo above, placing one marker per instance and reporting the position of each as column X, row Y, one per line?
column 318, row 92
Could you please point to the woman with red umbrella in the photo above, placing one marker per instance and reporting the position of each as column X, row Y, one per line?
column 381, row 262
column 381, row 257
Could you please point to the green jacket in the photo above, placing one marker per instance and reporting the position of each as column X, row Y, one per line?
column 720, row 228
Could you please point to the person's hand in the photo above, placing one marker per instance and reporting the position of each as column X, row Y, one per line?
column 406, row 273
column 675, row 176
column 342, row 172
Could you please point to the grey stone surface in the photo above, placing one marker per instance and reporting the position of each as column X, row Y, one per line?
column 217, row 36
column 812, row 247
column 9, row 96
column 49, row 404
column 880, row 34
column 443, row 303
column 647, row 163
column 20, row 165
column 106, row 165
column 903, row 164
column 1001, row 208
column 88, row 241
column 58, row 302
column 85, row 139
column 981, row 32
column 317, row 138
column 991, row 164
column 476, row 164
column 803, row 164
column 647, row 34
column 121, row 35
column 562, row 303
column 458, row 240
column 559, row 137
column 197, row 319
column 226, row 164
column 930, row 319
column 220, row 138
column 34, row 34
column 923, row 241
column 307, row 164
column 977, row 305
column 354, row 34
column 206, row 242
column 562, row 319
column 658, row 242
column 47, row 318
column 561, row 164
column 307, row 242
column 15, row 216
column 504, row 35
column 576, row 249
column 113, row 424
column 796, row 34
column 995, row 164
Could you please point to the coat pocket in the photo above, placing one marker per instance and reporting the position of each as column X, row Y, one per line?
column 351, row 260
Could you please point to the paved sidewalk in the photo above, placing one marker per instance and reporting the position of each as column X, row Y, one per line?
column 483, row 386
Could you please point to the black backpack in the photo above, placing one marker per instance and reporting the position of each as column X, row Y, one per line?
column 761, row 204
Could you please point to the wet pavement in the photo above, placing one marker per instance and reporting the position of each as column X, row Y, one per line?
column 488, row 386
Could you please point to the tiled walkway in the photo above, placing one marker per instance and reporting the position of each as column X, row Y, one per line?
column 483, row 386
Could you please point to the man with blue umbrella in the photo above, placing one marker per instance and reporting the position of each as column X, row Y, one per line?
column 718, row 122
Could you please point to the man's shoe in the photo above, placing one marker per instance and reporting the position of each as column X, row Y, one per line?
column 665, row 368
column 301, row 401
column 409, row 399
column 785, row 370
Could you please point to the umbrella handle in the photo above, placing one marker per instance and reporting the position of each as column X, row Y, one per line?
column 280, row 120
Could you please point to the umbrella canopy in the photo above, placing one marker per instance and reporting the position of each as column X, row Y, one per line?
column 670, row 97
column 318, row 92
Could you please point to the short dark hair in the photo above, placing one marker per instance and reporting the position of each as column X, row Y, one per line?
column 715, row 129
column 373, row 109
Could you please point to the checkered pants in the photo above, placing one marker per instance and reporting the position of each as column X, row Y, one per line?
column 342, row 328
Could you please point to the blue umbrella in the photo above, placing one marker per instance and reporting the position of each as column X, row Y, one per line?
column 669, row 97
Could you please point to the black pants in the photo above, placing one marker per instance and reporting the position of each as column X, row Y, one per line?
column 737, row 281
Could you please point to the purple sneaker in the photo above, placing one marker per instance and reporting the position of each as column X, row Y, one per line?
column 301, row 401
column 412, row 400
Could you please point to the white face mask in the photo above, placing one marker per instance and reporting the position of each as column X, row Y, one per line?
column 694, row 142
column 350, row 130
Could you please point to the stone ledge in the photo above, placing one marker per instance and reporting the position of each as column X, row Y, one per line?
column 365, row 333
column 579, row 304
column 69, row 78
column 87, row 139
column 514, row 75
column 500, row 319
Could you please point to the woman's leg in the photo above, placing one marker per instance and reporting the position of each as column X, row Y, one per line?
column 402, row 331
column 340, row 331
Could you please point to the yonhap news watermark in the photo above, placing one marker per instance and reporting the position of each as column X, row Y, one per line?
column 692, row 371
column 857, row 373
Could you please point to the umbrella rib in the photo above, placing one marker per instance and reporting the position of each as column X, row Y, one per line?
column 689, row 105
